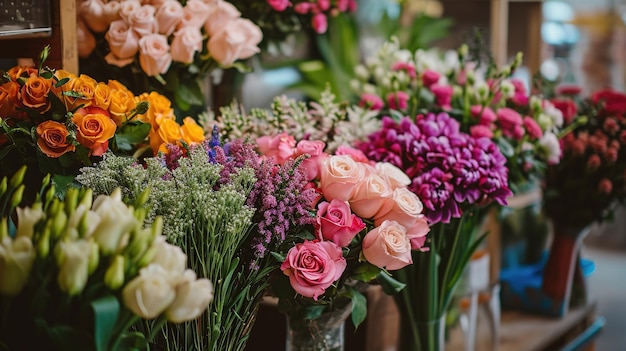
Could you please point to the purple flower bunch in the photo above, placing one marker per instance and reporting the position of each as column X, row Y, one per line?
column 449, row 169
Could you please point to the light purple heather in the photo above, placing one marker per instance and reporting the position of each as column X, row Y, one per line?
column 449, row 169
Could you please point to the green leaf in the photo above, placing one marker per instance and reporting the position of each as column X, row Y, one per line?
column 189, row 93
column 278, row 257
column 359, row 308
column 366, row 272
column 62, row 183
column 130, row 134
column 390, row 285
column 61, row 82
column 46, row 75
column 105, row 313
column 505, row 147
column 133, row 341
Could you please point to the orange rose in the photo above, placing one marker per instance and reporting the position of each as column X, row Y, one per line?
column 21, row 72
column 167, row 131
column 102, row 96
column 34, row 93
column 83, row 85
column 52, row 139
column 122, row 102
column 192, row 133
column 160, row 106
column 8, row 99
column 94, row 129
column 115, row 84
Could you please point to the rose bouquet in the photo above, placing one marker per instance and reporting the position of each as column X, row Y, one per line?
column 367, row 222
column 227, row 209
column 485, row 99
column 78, row 273
column 454, row 174
column 165, row 46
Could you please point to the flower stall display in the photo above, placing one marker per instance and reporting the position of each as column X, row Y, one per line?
column 165, row 46
column 227, row 208
column 367, row 223
column 82, row 272
column 455, row 174
column 485, row 99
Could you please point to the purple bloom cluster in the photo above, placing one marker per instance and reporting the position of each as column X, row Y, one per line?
column 449, row 169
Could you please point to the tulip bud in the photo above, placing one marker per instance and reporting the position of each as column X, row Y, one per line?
column 86, row 198
column 45, row 181
column 114, row 275
column 43, row 244
column 17, row 196
column 71, row 200
column 147, row 257
column 157, row 227
column 49, row 196
column 74, row 266
column 142, row 199
column 3, row 186
column 16, row 260
column 4, row 228
column 18, row 178
column 59, row 224
column 94, row 257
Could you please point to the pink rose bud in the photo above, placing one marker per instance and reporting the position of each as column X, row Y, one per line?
column 398, row 100
column 168, row 17
column 533, row 128
column 481, row 131
column 356, row 154
column 154, row 54
column 388, row 246
column 143, row 21
column 605, row 186
column 336, row 222
column 430, row 77
column 302, row 8
column 315, row 150
column 313, row 266
column 279, row 5
column 281, row 147
column 443, row 94
column 372, row 102
column 319, row 23
column 324, row 5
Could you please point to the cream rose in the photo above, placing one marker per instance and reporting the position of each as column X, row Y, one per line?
column 405, row 209
column 394, row 175
column 168, row 16
column 339, row 176
column 371, row 196
column 387, row 246
column 154, row 54
column 27, row 218
column 123, row 43
column 192, row 298
column 220, row 13
column 150, row 293
column 143, row 21
column 187, row 41
column 115, row 221
column 16, row 260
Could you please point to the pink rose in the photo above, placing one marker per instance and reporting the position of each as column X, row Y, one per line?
column 93, row 11
column 567, row 107
column 392, row 174
column 405, row 209
column 168, row 17
column 371, row 102
column 323, row 5
column 195, row 14
column 339, row 176
column 337, row 223
column 356, row 154
column 520, row 99
column 127, row 8
column 302, row 8
column 417, row 233
column 187, row 41
column 143, row 22
column 313, row 266
column 509, row 118
column 220, row 14
column 319, row 23
column 123, row 43
column 112, row 11
column 443, row 94
column 371, row 196
column 280, row 147
column 568, row 89
column 430, row 77
column 387, row 246
column 481, row 131
column 398, row 100
column 532, row 127
column 279, row 5
column 239, row 40
column 315, row 150
column 154, row 54
column 85, row 41
column 486, row 114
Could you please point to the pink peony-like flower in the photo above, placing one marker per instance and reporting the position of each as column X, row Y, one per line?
column 398, row 100
column 443, row 94
column 336, row 222
column 319, row 23
column 281, row 147
column 533, row 128
column 388, row 246
column 372, row 102
column 481, row 131
column 279, row 5
column 430, row 77
column 313, row 266
column 485, row 113
column 315, row 150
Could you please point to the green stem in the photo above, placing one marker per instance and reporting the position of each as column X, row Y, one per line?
column 127, row 322
column 406, row 296
column 444, row 283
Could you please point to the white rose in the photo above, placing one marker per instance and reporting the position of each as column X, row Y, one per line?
column 170, row 257
column 16, row 260
column 116, row 219
column 392, row 174
column 192, row 299
column 150, row 293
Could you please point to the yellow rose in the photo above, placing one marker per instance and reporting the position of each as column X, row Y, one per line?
column 21, row 72
column 192, row 132
column 167, row 131
column 122, row 102
column 115, row 84
column 102, row 96
column 83, row 85
column 160, row 106
column 34, row 93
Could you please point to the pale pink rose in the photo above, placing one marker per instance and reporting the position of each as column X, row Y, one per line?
column 168, row 17
column 154, row 54
column 372, row 195
column 336, row 222
column 112, row 11
column 319, row 23
column 195, row 14
column 417, row 233
column 313, row 266
column 387, row 246
column 406, row 207
column 339, row 176
column 323, row 5
column 143, row 22
column 281, row 147
column 279, row 5
column 238, row 40
column 85, row 40
column 93, row 12
column 356, row 154
column 392, row 174
column 127, row 8
column 158, row 3
column 187, row 41
column 220, row 13
column 303, row 8
column 481, row 131
column 315, row 150
column 123, row 43
column 486, row 114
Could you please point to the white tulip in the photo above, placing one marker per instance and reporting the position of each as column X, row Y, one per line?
column 116, row 219
column 170, row 257
column 16, row 260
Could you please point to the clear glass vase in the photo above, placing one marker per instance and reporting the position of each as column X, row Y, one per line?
column 423, row 336
column 325, row 333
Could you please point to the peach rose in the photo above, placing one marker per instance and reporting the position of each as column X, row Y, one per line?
column 143, row 21
column 339, row 176
column 371, row 196
column 220, row 13
column 9, row 99
column 192, row 133
column 123, row 43
column 94, row 129
column 406, row 208
column 34, row 93
column 93, row 10
column 168, row 17
column 187, row 41
column 52, row 139
column 112, row 11
column 85, row 40
column 280, row 147
column 83, row 85
column 387, row 246
column 195, row 14
column 238, row 40
column 392, row 174
column 154, row 54
column 315, row 150
column 127, row 8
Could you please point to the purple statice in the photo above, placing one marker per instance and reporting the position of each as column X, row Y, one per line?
column 172, row 158
column 449, row 169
